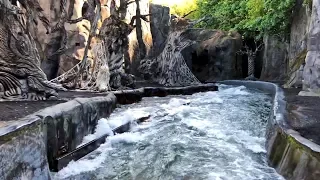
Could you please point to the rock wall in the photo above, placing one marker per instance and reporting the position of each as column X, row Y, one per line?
column 214, row 56
column 298, row 44
column 77, row 35
column 311, row 72
column 23, row 151
column 135, row 52
column 31, row 145
column 69, row 122
column 74, row 39
column 297, row 61
column 160, row 27
column 275, row 57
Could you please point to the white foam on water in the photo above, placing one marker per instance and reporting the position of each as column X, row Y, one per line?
column 85, row 164
column 128, row 116
column 128, row 137
column 88, row 164
column 231, row 150
column 103, row 128
column 240, row 90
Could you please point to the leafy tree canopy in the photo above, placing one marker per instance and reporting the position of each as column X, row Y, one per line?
column 180, row 7
column 252, row 18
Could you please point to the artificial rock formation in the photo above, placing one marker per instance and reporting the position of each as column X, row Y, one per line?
column 214, row 56
column 170, row 67
column 160, row 27
column 198, row 55
column 298, row 44
column 140, row 39
column 121, row 28
column 20, row 72
column 275, row 57
column 311, row 73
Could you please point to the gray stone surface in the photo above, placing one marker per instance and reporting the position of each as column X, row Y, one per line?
column 30, row 144
column 133, row 57
column 214, row 56
column 299, row 30
column 311, row 74
column 274, row 58
column 298, row 44
column 23, row 150
column 160, row 27
column 69, row 122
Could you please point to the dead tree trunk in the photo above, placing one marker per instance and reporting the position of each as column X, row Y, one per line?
column 142, row 46
column 252, row 54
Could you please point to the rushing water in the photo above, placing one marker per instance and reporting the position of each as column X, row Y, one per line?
column 212, row 135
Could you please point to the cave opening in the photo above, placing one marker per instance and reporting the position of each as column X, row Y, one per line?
column 200, row 65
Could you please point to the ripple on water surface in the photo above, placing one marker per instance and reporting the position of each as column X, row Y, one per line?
column 211, row 135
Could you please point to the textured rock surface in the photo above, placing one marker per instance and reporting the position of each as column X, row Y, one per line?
column 299, row 30
column 160, row 27
column 170, row 67
column 20, row 74
column 23, row 151
column 136, row 53
column 298, row 44
column 274, row 59
column 210, row 55
column 78, row 117
column 311, row 74
column 214, row 55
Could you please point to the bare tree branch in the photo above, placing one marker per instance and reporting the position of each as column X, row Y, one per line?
column 187, row 14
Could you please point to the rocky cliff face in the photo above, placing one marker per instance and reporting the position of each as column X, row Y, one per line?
column 275, row 57
column 136, row 51
column 77, row 35
column 160, row 27
column 210, row 56
column 297, row 60
column 214, row 56
column 298, row 43
column 311, row 72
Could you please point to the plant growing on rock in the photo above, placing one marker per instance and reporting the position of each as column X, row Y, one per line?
column 252, row 18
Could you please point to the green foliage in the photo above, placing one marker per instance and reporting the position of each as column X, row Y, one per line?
column 184, row 9
column 181, row 7
column 252, row 18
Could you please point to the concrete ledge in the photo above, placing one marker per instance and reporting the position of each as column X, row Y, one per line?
column 23, row 150
column 132, row 96
column 69, row 122
column 293, row 156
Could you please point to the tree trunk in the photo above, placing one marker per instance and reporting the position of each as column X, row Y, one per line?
column 251, row 64
column 142, row 46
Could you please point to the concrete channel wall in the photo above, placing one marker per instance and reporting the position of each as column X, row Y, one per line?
column 293, row 156
column 29, row 147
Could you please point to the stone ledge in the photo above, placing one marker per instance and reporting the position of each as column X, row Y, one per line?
column 292, row 155
column 23, row 150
